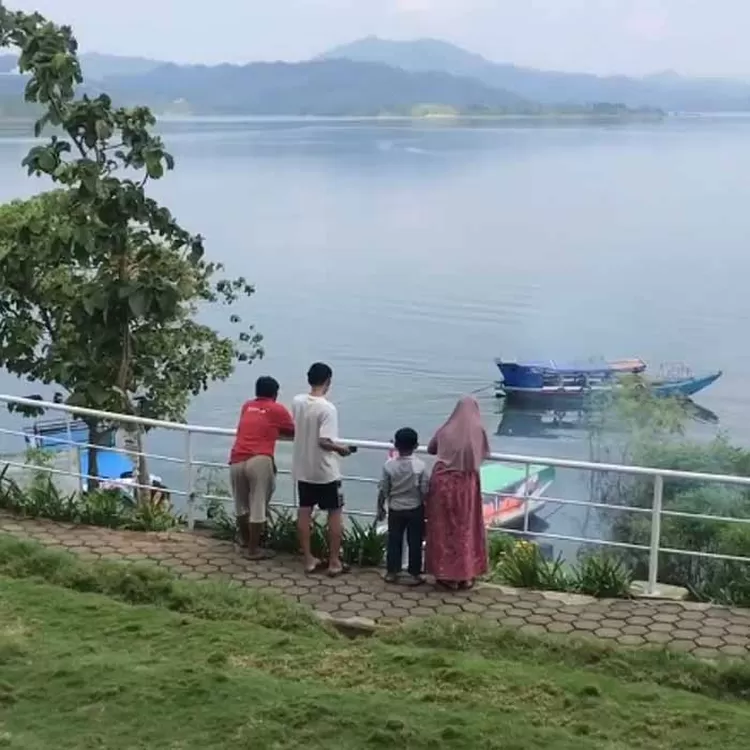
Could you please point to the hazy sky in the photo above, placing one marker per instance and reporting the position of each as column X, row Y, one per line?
column 603, row 36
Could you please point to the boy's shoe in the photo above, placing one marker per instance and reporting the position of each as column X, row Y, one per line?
column 391, row 578
column 414, row 581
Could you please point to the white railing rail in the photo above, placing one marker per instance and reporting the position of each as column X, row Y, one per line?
column 190, row 463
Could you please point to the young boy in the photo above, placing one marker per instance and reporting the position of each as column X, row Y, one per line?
column 402, row 490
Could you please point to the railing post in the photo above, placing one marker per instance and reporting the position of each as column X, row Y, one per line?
column 526, row 499
column 74, row 462
column 189, row 480
column 653, row 555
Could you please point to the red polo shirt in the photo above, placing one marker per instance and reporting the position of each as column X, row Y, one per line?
column 262, row 420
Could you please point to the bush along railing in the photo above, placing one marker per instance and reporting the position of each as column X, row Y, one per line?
column 361, row 544
column 111, row 508
column 522, row 564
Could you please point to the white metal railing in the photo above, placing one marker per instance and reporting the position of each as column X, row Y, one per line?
column 190, row 463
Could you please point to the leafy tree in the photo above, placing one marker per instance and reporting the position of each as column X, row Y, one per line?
column 637, row 427
column 99, row 284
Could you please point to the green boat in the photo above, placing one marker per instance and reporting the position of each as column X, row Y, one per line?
column 508, row 491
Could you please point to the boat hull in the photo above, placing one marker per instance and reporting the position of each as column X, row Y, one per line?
column 575, row 394
column 509, row 494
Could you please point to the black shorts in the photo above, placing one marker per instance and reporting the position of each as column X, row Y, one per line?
column 325, row 496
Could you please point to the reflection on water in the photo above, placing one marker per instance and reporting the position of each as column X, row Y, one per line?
column 554, row 424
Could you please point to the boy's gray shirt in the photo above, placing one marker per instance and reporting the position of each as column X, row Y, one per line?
column 404, row 483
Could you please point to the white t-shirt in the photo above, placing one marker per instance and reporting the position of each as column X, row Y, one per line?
column 315, row 417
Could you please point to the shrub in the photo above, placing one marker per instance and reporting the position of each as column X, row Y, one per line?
column 603, row 575
column 524, row 566
column 641, row 429
column 281, row 532
column 110, row 508
column 363, row 545
column 498, row 544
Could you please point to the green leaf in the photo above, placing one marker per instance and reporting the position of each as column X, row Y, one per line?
column 46, row 162
column 138, row 302
column 90, row 305
column 103, row 130
column 40, row 123
column 154, row 167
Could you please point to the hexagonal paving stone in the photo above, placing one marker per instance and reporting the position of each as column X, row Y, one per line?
column 337, row 598
column 620, row 615
column 689, row 625
column 692, row 614
column 351, row 606
column 665, row 617
column 397, row 614
column 585, row 626
column 681, row 645
column 631, row 640
column 420, row 611
column 640, row 620
column 362, row 598
column 482, row 599
column 194, row 575
column 612, row 624
column 736, row 640
column 706, row 653
column 607, row 633
column 658, row 637
column 732, row 650
column 715, row 622
column 530, row 629
column 713, row 632
column 539, row 619
column 661, row 627
column 512, row 622
column 559, row 627
column 634, row 629
column 281, row 583
column 448, row 609
column 709, row 642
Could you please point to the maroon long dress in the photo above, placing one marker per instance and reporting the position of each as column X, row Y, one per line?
column 456, row 548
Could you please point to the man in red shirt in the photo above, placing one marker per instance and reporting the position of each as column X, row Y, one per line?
column 252, row 469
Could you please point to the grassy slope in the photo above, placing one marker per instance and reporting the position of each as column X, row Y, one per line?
column 84, row 670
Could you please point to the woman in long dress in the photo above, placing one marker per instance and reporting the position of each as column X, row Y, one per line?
column 456, row 551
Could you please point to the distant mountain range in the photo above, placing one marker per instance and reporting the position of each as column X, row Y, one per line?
column 97, row 66
column 667, row 91
column 378, row 77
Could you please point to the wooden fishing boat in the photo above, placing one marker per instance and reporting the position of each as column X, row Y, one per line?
column 550, row 381
column 510, row 492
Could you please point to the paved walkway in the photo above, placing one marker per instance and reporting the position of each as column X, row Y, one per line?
column 704, row 630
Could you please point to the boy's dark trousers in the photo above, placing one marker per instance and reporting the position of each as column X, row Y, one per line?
column 411, row 523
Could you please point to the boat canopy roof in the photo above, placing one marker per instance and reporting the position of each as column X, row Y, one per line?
column 573, row 367
column 496, row 477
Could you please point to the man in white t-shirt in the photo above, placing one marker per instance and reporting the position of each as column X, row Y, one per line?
column 315, row 466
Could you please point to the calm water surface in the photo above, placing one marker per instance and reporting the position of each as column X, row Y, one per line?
column 408, row 255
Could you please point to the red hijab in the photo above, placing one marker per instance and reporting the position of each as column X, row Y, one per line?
column 462, row 443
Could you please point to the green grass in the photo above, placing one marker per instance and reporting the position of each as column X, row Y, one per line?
column 101, row 656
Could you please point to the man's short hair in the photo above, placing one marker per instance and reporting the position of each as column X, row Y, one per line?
column 266, row 387
column 406, row 440
column 319, row 374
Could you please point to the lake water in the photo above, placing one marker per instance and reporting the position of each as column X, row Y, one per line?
column 409, row 254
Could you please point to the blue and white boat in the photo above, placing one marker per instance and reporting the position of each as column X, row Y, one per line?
column 552, row 381
column 115, row 468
